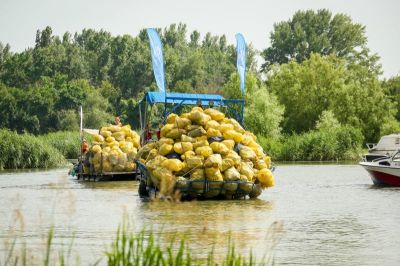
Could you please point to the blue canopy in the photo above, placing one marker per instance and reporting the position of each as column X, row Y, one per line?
column 153, row 97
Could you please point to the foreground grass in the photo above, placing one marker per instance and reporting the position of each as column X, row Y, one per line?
column 143, row 248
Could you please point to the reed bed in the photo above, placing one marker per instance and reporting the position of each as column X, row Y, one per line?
column 27, row 151
column 66, row 142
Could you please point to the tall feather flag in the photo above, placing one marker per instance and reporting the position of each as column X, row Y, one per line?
column 241, row 60
column 157, row 58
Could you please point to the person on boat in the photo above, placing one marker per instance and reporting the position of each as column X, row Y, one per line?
column 84, row 146
column 147, row 134
column 159, row 131
column 118, row 121
column 199, row 104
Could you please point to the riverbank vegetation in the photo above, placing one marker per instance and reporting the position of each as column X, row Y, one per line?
column 317, row 62
column 30, row 151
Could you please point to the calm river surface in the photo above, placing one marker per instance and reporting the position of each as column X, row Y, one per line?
column 331, row 215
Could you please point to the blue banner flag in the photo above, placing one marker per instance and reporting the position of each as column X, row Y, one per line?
column 157, row 58
column 241, row 59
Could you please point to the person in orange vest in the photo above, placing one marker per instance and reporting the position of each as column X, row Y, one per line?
column 84, row 146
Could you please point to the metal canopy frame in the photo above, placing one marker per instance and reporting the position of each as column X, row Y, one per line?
column 173, row 101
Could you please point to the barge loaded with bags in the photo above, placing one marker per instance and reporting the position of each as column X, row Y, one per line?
column 202, row 153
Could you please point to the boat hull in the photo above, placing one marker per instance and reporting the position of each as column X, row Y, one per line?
column 383, row 175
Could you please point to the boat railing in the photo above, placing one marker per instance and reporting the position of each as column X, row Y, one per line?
column 371, row 146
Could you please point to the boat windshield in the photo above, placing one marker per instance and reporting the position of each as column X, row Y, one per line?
column 396, row 157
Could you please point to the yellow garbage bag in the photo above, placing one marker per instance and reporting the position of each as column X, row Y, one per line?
column 171, row 118
column 155, row 162
column 219, row 147
column 114, row 128
column 192, row 127
column 107, row 167
column 107, row 149
column 225, row 127
column 212, row 124
column 247, row 153
column 226, row 163
column 119, row 135
column 235, row 157
column 231, row 174
column 173, row 165
column 211, row 132
column 105, row 133
column 165, row 129
column 247, row 170
column 198, row 132
column 198, row 178
column 214, row 160
column 175, row 133
column 260, row 164
column 185, row 115
column 204, row 151
column 229, row 143
column 182, row 147
column 194, row 161
column 110, row 139
column 213, row 174
column 122, row 158
column 236, row 126
column 215, row 114
column 201, row 143
column 165, row 141
column 130, row 167
column 165, row 149
column 199, row 118
column 96, row 149
column 113, row 157
column 186, row 138
column 98, row 138
column 187, row 154
column 266, row 178
column 182, row 122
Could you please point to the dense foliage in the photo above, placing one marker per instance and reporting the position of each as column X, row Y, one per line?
column 27, row 151
column 341, row 143
column 349, row 91
column 319, row 32
column 263, row 112
column 67, row 143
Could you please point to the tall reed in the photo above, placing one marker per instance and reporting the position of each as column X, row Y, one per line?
column 26, row 151
column 66, row 142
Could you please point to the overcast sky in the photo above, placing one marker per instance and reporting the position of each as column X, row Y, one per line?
column 19, row 19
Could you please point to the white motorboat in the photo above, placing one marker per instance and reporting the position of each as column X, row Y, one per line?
column 384, row 171
column 384, row 148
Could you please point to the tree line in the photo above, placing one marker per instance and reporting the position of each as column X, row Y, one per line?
column 317, row 63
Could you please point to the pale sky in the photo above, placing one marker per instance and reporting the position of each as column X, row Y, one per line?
column 19, row 19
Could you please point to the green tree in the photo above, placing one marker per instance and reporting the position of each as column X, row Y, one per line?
column 350, row 91
column 392, row 90
column 263, row 113
column 310, row 32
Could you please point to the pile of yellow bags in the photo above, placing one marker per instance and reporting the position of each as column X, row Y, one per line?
column 205, row 145
column 114, row 149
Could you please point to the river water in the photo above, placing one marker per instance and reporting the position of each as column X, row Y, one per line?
column 318, row 214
